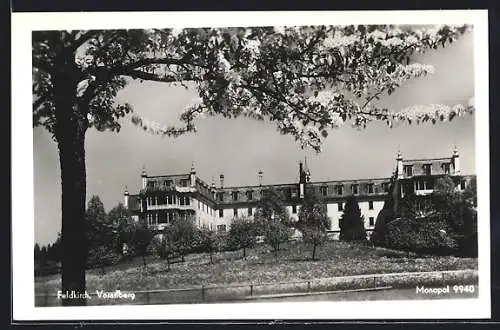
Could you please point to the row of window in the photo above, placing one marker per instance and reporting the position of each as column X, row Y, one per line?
column 223, row 228
column 426, row 169
column 167, row 183
column 340, row 207
column 292, row 192
column 169, row 199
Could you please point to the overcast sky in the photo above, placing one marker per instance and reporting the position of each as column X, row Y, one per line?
column 239, row 148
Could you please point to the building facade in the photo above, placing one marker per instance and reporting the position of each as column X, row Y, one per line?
column 167, row 198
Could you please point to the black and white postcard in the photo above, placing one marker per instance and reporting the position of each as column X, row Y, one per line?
column 250, row 165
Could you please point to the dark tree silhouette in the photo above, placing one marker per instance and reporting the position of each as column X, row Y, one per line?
column 352, row 227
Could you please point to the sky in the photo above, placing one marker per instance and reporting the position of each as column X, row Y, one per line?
column 239, row 148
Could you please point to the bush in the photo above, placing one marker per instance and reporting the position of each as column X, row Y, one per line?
column 430, row 235
column 351, row 223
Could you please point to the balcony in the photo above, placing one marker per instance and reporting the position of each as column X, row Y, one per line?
column 423, row 192
column 170, row 207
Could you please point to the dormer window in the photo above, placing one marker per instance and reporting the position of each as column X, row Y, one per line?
column 235, row 195
column 220, row 196
column 370, row 188
column 408, row 170
column 446, row 168
column 324, row 190
column 427, row 169
column 250, row 195
column 340, row 190
column 354, row 189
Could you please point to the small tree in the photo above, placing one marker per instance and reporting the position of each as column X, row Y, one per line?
column 313, row 221
column 242, row 234
column 182, row 234
column 100, row 235
column 272, row 220
column 385, row 216
column 141, row 240
column 210, row 241
column 119, row 217
column 351, row 223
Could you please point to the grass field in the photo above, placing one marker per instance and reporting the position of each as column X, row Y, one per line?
column 335, row 259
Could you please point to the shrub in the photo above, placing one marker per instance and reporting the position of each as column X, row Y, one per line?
column 351, row 223
column 430, row 235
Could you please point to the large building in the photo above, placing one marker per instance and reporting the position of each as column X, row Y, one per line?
column 171, row 197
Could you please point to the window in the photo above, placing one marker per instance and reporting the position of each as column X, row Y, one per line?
column 167, row 183
column 370, row 188
column 169, row 199
column 354, row 189
column 151, row 184
column 181, row 200
column 250, row 195
column 184, row 182
column 250, row 211
column 427, row 169
column 462, row 185
column 221, row 213
column 235, row 212
column 221, row 228
column 294, row 209
column 371, row 221
column 340, row 206
column 340, row 190
column 324, row 190
column 187, row 200
column 385, row 186
column 199, row 205
column 446, row 168
column 408, row 170
column 235, row 195
column 220, row 196
column 370, row 205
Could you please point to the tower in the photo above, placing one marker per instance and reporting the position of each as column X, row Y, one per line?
column 456, row 161
column 221, row 178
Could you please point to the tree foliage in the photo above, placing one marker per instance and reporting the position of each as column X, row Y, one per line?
column 313, row 222
column 142, row 237
column 272, row 220
column 210, row 241
column 101, row 236
column 242, row 234
column 181, row 234
column 352, row 227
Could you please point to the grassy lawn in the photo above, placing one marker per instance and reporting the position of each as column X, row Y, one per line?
column 336, row 259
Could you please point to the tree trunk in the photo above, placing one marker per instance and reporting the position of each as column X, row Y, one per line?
column 70, row 135
column 211, row 258
column 70, row 126
column 144, row 259
column 314, row 252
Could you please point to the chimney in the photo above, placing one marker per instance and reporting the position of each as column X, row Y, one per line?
column 125, row 198
column 144, row 176
column 221, row 177
column 456, row 161
column 399, row 160
column 261, row 174
column 192, row 175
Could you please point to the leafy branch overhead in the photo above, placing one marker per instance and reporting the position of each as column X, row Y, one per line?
column 305, row 79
